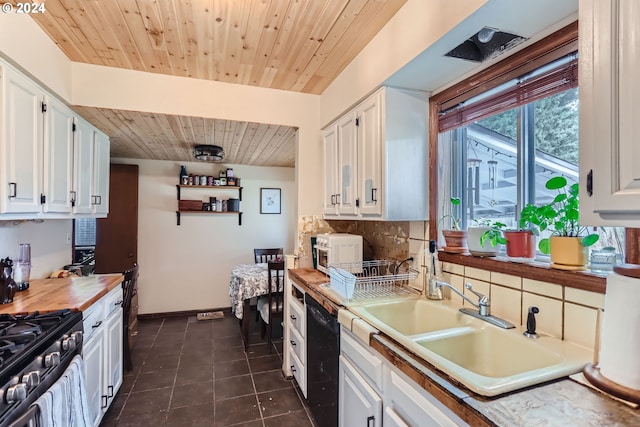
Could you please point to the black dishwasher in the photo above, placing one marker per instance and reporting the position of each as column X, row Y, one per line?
column 323, row 351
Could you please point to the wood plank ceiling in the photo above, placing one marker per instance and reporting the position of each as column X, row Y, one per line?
column 295, row 45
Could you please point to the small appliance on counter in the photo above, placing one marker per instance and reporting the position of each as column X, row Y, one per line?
column 22, row 270
column 337, row 248
column 8, row 286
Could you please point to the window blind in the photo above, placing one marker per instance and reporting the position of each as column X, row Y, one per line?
column 558, row 77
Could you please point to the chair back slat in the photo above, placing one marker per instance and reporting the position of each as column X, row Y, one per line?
column 266, row 255
column 275, row 272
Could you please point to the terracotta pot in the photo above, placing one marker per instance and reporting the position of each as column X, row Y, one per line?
column 521, row 245
column 455, row 241
column 568, row 253
column 473, row 242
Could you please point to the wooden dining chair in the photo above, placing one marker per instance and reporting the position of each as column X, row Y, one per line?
column 270, row 306
column 266, row 255
column 129, row 290
column 263, row 256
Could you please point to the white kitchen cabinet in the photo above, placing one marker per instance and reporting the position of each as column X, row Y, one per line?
column 295, row 344
column 47, row 170
column 91, row 166
column 58, row 157
column 21, row 142
column 100, row 181
column 358, row 402
column 370, row 386
column 379, row 167
column 102, row 352
column 609, row 110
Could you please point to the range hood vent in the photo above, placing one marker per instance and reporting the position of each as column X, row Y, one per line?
column 208, row 153
column 485, row 44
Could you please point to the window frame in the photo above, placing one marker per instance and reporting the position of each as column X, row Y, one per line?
column 550, row 48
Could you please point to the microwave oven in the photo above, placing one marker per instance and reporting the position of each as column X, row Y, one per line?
column 337, row 248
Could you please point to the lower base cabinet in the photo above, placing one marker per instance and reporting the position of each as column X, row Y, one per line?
column 102, row 353
column 359, row 403
column 375, row 393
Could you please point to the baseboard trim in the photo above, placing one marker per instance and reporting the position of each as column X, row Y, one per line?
column 226, row 310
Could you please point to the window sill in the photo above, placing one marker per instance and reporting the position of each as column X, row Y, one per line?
column 584, row 280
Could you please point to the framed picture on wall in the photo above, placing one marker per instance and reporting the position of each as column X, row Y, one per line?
column 270, row 201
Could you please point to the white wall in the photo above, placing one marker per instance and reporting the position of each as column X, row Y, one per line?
column 50, row 244
column 187, row 267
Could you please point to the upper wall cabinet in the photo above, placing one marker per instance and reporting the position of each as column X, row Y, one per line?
column 376, row 159
column 42, row 164
column 21, row 142
column 609, row 112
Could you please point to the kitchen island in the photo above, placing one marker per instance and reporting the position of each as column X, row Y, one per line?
column 75, row 293
column 562, row 402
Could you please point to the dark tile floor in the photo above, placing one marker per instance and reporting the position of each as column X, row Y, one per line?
column 196, row 373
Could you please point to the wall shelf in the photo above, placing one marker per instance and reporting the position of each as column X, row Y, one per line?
column 179, row 212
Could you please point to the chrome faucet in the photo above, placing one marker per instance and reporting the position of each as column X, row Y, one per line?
column 483, row 305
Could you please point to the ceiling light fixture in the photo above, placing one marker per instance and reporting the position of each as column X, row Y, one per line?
column 486, row 34
column 208, row 153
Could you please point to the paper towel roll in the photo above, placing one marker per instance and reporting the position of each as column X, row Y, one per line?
column 620, row 345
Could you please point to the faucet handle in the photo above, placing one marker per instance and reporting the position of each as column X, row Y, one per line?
column 482, row 298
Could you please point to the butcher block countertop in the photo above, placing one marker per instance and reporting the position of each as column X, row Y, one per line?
column 558, row 403
column 76, row 293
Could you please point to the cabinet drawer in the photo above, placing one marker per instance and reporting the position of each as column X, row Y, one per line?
column 92, row 319
column 297, row 344
column 298, row 371
column 366, row 361
column 113, row 300
column 297, row 317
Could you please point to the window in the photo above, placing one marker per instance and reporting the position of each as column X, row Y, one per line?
column 497, row 152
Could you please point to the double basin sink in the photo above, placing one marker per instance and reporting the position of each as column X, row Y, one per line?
column 486, row 359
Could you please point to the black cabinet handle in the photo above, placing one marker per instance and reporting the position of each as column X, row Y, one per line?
column 374, row 192
column 293, row 368
column 97, row 324
column 369, row 419
column 72, row 198
column 293, row 343
column 333, row 199
column 13, row 190
column 293, row 317
column 338, row 199
column 110, row 388
column 105, row 401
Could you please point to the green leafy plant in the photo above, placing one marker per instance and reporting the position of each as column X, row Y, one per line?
column 494, row 234
column 561, row 216
column 455, row 221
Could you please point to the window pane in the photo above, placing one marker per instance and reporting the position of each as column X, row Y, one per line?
column 491, row 168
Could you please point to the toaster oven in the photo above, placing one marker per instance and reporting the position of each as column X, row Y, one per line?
column 337, row 248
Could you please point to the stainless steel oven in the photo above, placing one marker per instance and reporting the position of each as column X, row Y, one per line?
column 35, row 351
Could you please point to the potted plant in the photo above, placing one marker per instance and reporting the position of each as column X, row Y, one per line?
column 485, row 237
column 455, row 238
column 569, row 241
column 521, row 243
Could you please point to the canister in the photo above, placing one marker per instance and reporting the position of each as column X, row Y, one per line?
column 229, row 172
column 203, row 180
column 219, row 205
column 224, row 206
column 216, row 181
column 196, row 179
column 231, row 181
column 209, row 180
column 223, row 174
column 190, row 181
column 223, row 181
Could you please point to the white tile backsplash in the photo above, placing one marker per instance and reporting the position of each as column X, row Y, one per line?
column 476, row 273
column 591, row 299
column 549, row 319
column 580, row 324
column 506, row 303
column 506, row 280
column 542, row 288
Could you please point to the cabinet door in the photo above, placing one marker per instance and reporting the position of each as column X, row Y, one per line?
column 101, row 173
column 93, row 355
column 347, row 165
column 370, row 155
column 21, row 149
column 609, row 108
column 58, row 157
column 83, row 167
column 113, row 355
column 330, row 169
column 359, row 404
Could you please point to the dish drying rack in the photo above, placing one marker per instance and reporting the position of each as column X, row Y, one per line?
column 360, row 281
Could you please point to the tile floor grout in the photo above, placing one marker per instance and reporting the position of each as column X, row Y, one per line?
column 218, row 345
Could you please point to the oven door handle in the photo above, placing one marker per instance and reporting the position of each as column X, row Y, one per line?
column 29, row 418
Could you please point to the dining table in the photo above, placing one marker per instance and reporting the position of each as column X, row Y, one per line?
column 247, row 281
